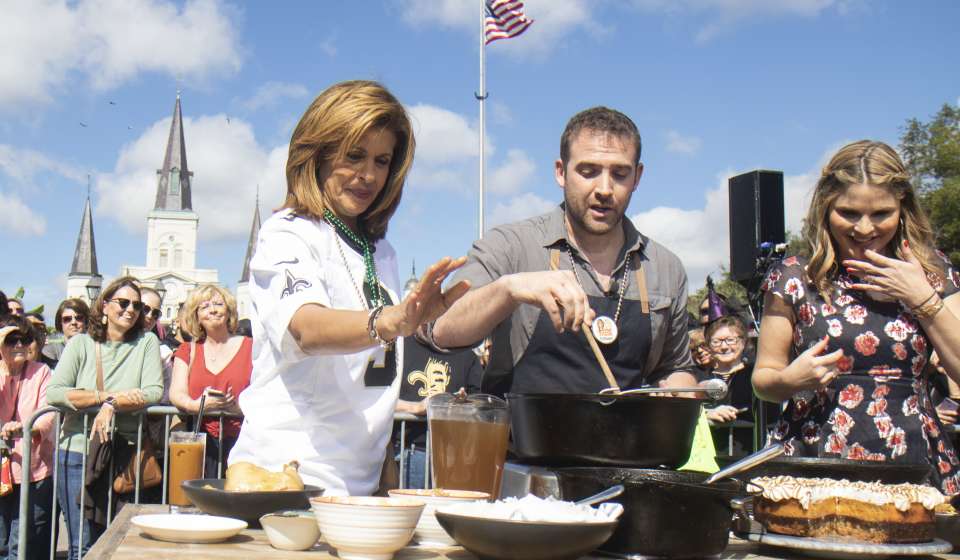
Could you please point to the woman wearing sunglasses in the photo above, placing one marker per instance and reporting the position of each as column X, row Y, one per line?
column 115, row 366
column 23, row 389
column 70, row 320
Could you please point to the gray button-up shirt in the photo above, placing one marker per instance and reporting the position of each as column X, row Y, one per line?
column 525, row 247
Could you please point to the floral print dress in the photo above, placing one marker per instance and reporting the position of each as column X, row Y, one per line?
column 878, row 408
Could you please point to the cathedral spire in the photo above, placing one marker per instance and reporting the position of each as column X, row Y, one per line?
column 252, row 242
column 85, row 255
column 173, row 185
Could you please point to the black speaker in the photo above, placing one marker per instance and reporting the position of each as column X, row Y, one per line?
column 756, row 216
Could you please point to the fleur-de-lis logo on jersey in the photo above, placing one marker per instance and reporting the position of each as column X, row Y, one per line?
column 294, row 285
column 435, row 378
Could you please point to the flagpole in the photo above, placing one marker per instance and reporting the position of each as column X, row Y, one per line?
column 481, row 97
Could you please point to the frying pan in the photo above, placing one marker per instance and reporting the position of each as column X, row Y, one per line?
column 591, row 429
column 829, row 467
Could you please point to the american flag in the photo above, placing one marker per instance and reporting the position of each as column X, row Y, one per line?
column 505, row 19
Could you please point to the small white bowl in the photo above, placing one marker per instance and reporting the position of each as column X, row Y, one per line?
column 429, row 532
column 365, row 527
column 291, row 530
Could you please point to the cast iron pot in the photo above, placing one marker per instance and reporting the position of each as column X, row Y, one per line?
column 560, row 430
column 666, row 513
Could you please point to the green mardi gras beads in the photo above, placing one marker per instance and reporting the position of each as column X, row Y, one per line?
column 370, row 268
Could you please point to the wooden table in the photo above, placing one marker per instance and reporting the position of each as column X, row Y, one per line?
column 123, row 541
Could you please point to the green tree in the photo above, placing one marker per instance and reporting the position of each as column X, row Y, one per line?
column 931, row 151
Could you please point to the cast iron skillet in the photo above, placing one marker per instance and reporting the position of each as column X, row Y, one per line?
column 854, row 471
column 592, row 430
column 666, row 513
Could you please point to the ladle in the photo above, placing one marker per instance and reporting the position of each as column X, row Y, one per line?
column 603, row 496
column 747, row 463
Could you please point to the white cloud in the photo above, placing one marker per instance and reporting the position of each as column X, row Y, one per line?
column 22, row 165
column 681, row 144
column 447, row 149
column 501, row 113
column 19, row 220
column 552, row 21
column 513, row 174
column 719, row 16
column 700, row 237
column 46, row 44
column 517, row 208
column 443, row 135
column 329, row 45
column 228, row 164
column 272, row 93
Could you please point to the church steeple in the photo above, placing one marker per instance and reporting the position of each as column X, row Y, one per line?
column 173, row 185
column 85, row 255
column 252, row 242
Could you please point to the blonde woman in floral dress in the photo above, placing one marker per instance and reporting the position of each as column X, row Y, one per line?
column 847, row 333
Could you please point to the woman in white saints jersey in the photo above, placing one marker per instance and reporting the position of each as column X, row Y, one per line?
column 326, row 317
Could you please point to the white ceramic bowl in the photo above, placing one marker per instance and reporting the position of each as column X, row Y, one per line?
column 185, row 528
column 365, row 527
column 291, row 530
column 429, row 532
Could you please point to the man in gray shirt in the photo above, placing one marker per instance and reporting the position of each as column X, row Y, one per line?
column 537, row 283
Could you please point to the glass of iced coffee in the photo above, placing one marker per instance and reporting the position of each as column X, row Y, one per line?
column 468, row 441
column 186, row 453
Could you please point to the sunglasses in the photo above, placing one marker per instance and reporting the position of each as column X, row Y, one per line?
column 67, row 319
column 125, row 303
column 155, row 313
column 15, row 338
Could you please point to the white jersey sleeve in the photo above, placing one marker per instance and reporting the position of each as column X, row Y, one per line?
column 285, row 275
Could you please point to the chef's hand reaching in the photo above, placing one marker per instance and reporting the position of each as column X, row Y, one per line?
column 558, row 293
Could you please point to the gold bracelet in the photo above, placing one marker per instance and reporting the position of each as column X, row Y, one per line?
column 928, row 310
column 924, row 302
column 96, row 396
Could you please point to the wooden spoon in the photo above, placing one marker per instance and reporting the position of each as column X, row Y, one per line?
column 611, row 380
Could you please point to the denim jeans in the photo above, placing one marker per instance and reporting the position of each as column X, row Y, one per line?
column 414, row 466
column 212, row 456
column 69, row 487
column 39, row 526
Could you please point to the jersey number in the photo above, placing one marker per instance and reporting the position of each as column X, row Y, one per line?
column 381, row 369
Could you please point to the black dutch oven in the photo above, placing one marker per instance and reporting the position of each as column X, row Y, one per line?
column 666, row 513
column 561, row 430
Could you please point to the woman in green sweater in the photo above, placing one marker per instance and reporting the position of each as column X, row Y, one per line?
column 132, row 379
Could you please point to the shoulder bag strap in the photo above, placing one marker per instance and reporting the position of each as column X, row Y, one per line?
column 99, row 369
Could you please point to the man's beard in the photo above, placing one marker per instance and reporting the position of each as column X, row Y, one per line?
column 579, row 223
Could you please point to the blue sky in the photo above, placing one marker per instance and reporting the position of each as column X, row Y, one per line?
column 716, row 87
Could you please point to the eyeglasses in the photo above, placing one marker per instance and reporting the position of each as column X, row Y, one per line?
column 209, row 304
column 67, row 319
column 718, row 342
column 125, row 303
column 15, row 338
column 155, row 313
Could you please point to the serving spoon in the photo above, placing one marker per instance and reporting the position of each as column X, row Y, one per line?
column 603, row 496
column 747, row 463
column 714, row 389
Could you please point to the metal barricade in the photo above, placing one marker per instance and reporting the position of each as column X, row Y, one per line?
column 158, row 410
